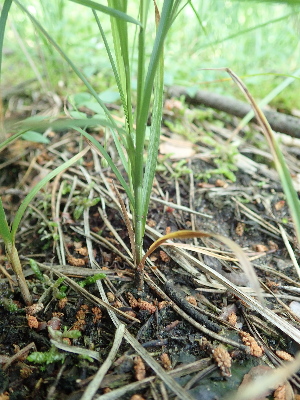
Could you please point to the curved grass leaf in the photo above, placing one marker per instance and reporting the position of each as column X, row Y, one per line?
column 186, row 234
column 39, row 186
column 258, row 387
column 59, row 124
column 107, row 10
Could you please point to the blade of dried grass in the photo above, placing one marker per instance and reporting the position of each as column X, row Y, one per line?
column 188, row 262
column 280, row 164
column 186, row 234
column 272, row 380
column 93, row 386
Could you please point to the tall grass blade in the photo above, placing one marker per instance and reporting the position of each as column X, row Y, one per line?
column 129, row 142
column 266, row 100
column 154, row 136
column 3, row 19
column 168, row 11
column 121, row 47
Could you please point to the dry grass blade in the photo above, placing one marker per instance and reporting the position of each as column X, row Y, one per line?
column 86, row 294
column 186, row 234
column 92, row 388
column 192, row 266
column 272, row 380
column 282, row 169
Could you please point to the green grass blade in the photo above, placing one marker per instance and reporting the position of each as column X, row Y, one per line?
column 112, row 62
column 4, row 228
column 3, row 19
column 119, row 30
column 11, row 139
column 113, row 12
column 71, row 64
column 144, row 10
column 129, row 142
column 168, row 11
column 39, row 186
column 59, row 124
column 107, row 157
column 154, row 136
column 197, row 16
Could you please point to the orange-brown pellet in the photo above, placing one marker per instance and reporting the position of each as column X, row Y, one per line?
column 76, row 262
column 139, row 368
column 164, row 256
column 284, row 355
column 144, row 305
column 132, row 300
column 97, row 314
column 255, row 349
column 223, row 360
column 280, row 393
column 191, row 300
column 165, row 360
column 232, row 318
column 32, row 321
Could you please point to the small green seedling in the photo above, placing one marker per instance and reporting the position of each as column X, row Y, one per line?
column 91, row 279
column 47, row 357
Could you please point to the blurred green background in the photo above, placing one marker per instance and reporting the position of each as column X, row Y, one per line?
column 258, row 40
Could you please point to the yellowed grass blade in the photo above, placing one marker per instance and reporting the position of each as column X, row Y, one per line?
column 241, row 256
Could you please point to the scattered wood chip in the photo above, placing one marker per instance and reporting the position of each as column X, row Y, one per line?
column 34, row 309
column 177, row 147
